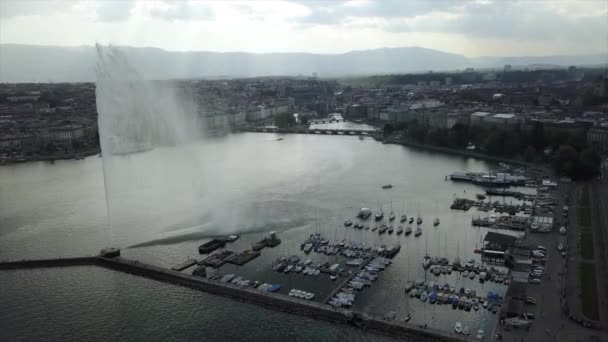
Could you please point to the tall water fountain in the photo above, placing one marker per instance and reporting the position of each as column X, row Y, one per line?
column 166, row 182
column 146, row 191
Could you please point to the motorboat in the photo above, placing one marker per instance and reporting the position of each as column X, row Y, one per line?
column 472, row 275
column 458, row 328
column 407, row 317
column 348, row 223
column 560, row 247
column 400, row 230
column 466, row 331
column 436, row 222
column 387, row 186
column 411, row 220
column 409, row 285
column 364, row 213
column 408, row 230
column 419, row 220
column 391, row 230
column 423, row 296
column 418, row 231
column 465, row 273
column 480, row 334
column 403, row 218
column 375, row 228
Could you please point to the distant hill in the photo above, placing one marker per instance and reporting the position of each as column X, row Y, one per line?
column 30, row 63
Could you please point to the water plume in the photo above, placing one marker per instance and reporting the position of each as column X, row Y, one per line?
column 136, row 117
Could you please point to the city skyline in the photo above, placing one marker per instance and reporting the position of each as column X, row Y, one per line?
column 471, row 28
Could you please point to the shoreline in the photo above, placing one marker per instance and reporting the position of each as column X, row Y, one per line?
column 460, row 152
column 51, row 158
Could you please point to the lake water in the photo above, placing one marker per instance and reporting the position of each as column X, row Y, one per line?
column 248, row 183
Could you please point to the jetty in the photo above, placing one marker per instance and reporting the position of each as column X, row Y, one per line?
column 392, row 328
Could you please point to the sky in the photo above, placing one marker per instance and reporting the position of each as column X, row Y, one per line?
column 469, row 27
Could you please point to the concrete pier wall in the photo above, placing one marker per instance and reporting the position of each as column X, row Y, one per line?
column 273, row 301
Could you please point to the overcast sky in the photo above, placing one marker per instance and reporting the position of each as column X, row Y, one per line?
column 472, row 28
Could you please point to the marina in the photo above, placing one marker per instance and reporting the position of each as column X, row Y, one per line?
column 349, row 237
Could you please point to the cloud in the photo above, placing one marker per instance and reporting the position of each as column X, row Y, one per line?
column 183, row 11
column 498, row 19
column 114, row 10
column 509, row 20
column 334, row 12
column 21, row 8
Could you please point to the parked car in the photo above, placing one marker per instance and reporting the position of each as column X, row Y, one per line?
column 529, row 316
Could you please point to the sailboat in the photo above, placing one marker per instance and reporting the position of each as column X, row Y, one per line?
column 457, row 258
column 419, row 220
column 391, row 216
column 408, row 230
column 436, row 221
column 426, row 261
column 379, row 214
column 418, row 231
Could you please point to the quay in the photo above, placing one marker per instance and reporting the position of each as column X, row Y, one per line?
column 509, row 193
column 274, row 301
column 466, row 204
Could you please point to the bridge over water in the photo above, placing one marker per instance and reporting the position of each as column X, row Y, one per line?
column 305, row 130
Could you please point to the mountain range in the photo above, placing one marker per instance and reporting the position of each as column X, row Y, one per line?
column 33, row 63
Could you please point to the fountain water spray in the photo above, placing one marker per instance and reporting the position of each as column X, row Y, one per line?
column 136, row 116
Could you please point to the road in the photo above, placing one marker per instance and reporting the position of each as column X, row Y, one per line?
column 551, row 323
column 599, row 203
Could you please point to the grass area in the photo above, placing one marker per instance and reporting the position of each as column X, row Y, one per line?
column 587, row 245
column 589, row 299
column 585, row 209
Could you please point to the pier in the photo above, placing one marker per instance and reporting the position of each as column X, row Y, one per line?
column 345, row 281
column 269, row 300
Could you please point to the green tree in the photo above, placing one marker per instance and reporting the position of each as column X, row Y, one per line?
column 565, row 160
column 283, row 120
column 529, row 153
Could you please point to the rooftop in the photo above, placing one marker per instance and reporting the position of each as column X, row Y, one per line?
column 504, row 116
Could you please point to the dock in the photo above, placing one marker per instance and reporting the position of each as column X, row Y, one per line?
column 345, row 281
column 184, row 265
column 284, row 303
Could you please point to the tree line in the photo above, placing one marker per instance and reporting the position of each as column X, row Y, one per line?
column 567, row 150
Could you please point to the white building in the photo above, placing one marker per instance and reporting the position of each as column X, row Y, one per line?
column 478, row 118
